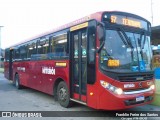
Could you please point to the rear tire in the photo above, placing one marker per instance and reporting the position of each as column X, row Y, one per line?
column 17, row 82
column 63, row 95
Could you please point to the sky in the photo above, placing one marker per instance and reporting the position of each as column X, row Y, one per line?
column 23, row 19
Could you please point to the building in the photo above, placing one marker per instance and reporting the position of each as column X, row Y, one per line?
column 155, row 40
column 155, row 35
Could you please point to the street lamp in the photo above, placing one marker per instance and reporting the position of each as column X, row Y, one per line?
column 0, row 47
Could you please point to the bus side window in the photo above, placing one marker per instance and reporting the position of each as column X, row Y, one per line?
column 32, row 51
column 23, row 52
column 6, row 55
column 17, row 54
column 43, row 48
column 58, row 46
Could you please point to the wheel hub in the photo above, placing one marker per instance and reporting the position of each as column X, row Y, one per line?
column 62, row 94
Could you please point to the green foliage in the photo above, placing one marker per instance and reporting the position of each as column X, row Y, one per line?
column 156, row 100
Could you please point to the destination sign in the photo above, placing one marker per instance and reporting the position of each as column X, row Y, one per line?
column 128, row 21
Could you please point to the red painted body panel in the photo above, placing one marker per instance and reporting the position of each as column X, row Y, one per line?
column 100, row 99
column 111, row 101
column 32, row 75
column 114, row 102
column 104, row 99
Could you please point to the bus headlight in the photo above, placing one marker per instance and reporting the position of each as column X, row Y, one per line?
column 111, row 88
column 152, row 87
column 119, row 91
column 104, row 84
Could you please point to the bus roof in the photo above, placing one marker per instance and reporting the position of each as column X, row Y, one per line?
column 97, row 16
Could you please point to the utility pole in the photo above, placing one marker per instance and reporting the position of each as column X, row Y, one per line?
column 0, row 48
column 152, row 11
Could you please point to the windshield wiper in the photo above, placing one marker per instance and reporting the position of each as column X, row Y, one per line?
column 126, row 41
column 141, row 43
column 143, row 40
column 123, row 40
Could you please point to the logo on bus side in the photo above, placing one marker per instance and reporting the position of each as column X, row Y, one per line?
column 48, row 70
column 21, row 69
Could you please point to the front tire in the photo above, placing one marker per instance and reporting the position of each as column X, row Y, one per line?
column 63, row 95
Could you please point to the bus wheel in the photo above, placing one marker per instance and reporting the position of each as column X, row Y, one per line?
column 63, row 95
column 17, row 84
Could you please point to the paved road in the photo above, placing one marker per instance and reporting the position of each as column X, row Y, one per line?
column 26, row 99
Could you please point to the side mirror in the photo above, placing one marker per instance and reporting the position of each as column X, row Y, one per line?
column 101, row 31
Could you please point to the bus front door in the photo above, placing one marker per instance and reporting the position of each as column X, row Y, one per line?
column 79, row 65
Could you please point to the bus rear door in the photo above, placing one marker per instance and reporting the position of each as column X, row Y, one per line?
column 10, row 64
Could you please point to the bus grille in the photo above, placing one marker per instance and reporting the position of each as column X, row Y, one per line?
column 133, row 78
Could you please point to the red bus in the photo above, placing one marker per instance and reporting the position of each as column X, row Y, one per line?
column 102, row 60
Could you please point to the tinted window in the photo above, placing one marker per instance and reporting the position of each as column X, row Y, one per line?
column 43, row 48
column 7, row 55
column 23, row 52
column 17, row 54
column 32, row 51
column 59, row 46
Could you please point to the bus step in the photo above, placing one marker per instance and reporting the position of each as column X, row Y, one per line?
column 78, row 101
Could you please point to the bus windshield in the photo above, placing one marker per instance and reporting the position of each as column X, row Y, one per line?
column 126, row 52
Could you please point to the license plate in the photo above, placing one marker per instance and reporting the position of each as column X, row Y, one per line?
column 139, row 98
